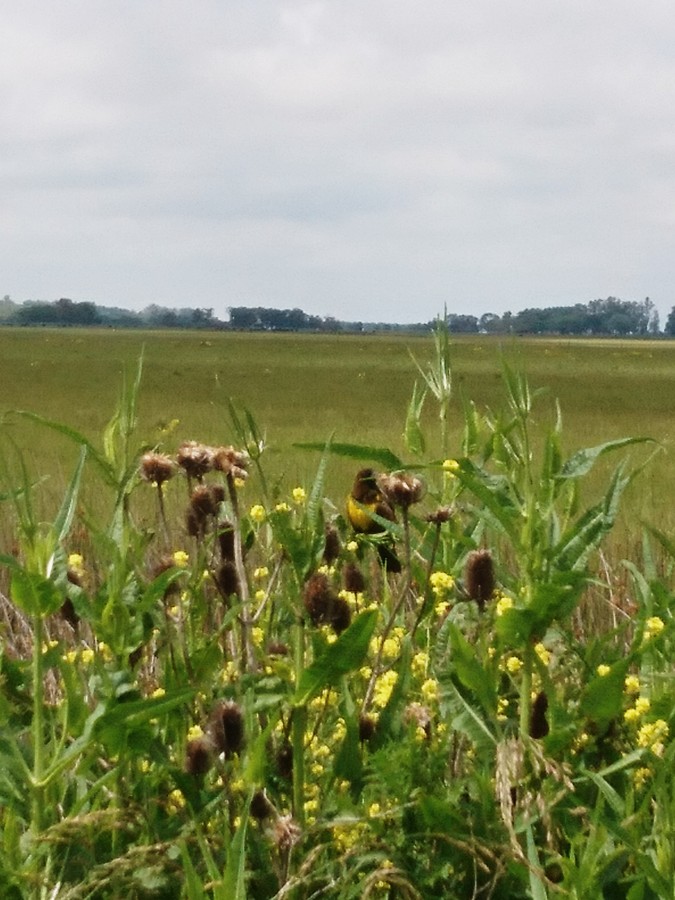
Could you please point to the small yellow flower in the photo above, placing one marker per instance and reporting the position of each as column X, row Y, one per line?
column 259, row 595
column 195, row 732
column 542, row 653
column 374, row 809
column 632, row 684
column 430, row 690
column 257, row 513
column 514, row 664
column 504, row 604
column 603, row 670
column 157, row 693
column 181, row 559
column 239, row 483
column 441, row 583
column 652, row 735
column 352, row 546
column 641, row 776
column 654, row 626
column 642, row 705
column 282, row 508
column 257, row 636
column 76, row 563
column 420, row 661
column 70, row 657
column 502, row 707
column 631, row 716
column 299, row 495
column 383, row 688
column 450, row 467
column 87, row 656
column 175, row 802
column 261, row 572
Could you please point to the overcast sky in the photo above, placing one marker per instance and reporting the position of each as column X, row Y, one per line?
column 364, row 159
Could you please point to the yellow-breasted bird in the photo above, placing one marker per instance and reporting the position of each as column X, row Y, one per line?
column 367, row 498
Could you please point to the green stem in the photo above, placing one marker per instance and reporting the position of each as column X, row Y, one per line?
column 299, row 727
column 37, row 818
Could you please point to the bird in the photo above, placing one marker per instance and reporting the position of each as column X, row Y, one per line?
column 367, row 499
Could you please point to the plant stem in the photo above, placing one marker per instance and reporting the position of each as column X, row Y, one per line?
column 299, row 726
column 37, row 817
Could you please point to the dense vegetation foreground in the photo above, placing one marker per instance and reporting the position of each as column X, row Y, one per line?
column 215, row 684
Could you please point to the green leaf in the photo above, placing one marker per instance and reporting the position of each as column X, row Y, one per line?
column 339, row 658
column 602, row 700
column 234, row 877
column 581, row 462
column 494, row 494
column 537, row 889
column 469, row 671
column 34, row 594
column 380, row 455
column 413, row 434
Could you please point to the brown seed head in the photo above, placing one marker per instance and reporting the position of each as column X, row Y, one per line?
column 195, row 459
column 352, row 579
column 367, row 726
column 198, row 756
column 479, row 577
column 227, row 579
column 332, row 547
column 156, row 468
column 227, row 728
column 284, row 760
column 231, row 462
column 538, row 721
column 402, row 490
column 261, row 808
column 226, row 540
column 440, row 516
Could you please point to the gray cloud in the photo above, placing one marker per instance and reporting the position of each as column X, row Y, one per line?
column 366, row 160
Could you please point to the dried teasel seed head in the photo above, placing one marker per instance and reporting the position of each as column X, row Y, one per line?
column 479, row 577
column 227, row 579
column 198, row 756
column 440, row 516
column 277, row 648
column 261, row 808
column 285, row 832
column 284, row 761
column 367, row 726
column 68, row 613
column 402, row 490
column 226, row 540
column 353, row 579
column 231, row 462
column 538, row 721
column 333, row 546
column 319, row 598
column 226, row 728
column 195, row 459
column 156, row 468
column 203, row 502
column 340, row 615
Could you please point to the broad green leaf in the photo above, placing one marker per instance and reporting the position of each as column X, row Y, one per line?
column 339, row 658
column 413, row 434
column 581, row 462
column 34, row 594
column 537, row 889
column 380, row 455
column 470, row 672
column 494, row 493
column 64, row 519
column 234, row 876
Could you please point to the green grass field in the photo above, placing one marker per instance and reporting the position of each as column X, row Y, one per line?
column 312, row 387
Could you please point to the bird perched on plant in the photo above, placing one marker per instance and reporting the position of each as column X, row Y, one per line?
column 366, row 500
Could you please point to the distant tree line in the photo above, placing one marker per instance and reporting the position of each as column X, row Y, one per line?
column 611, row 316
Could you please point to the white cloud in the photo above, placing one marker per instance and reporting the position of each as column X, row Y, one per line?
column 367, row 160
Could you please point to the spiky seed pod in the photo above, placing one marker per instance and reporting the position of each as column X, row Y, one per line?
column 538, row 721
column 419, row 716
column 195, row 459
column 226, row 540
column 352, row 579
column 340, row 615
column 227, row 579
column 231, row 462
column 195, row 524
column 367, row 726
column 203, row 502
column 319, row 598
column 227, row 728
column 156, row 468
column 198, row 756
column 68, row 613
column 217, row 494
column 277, row 648
column 479, row 577
column 333, row 546
column 402, row 490
column 440, row 516
column 261, row 808
column 284, row 761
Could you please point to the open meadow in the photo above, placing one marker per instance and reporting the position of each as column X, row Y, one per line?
column 220, row 681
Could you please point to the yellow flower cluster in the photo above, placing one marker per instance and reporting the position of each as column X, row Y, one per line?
column 76, row 563
column 504, row 604
column 513, row 665
column 430, row 690
column 653, row 627
column 383, row 688
column 641, row 776
column 634, row 713
column 441, row 583
column 653, row 735
column 632, row 684
column 181, row 559
column 420, row 662
column 543, row 653
column 450, row 467
column 257, row 513
column 603, row 669
column 261, row 573
column 299, row 495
